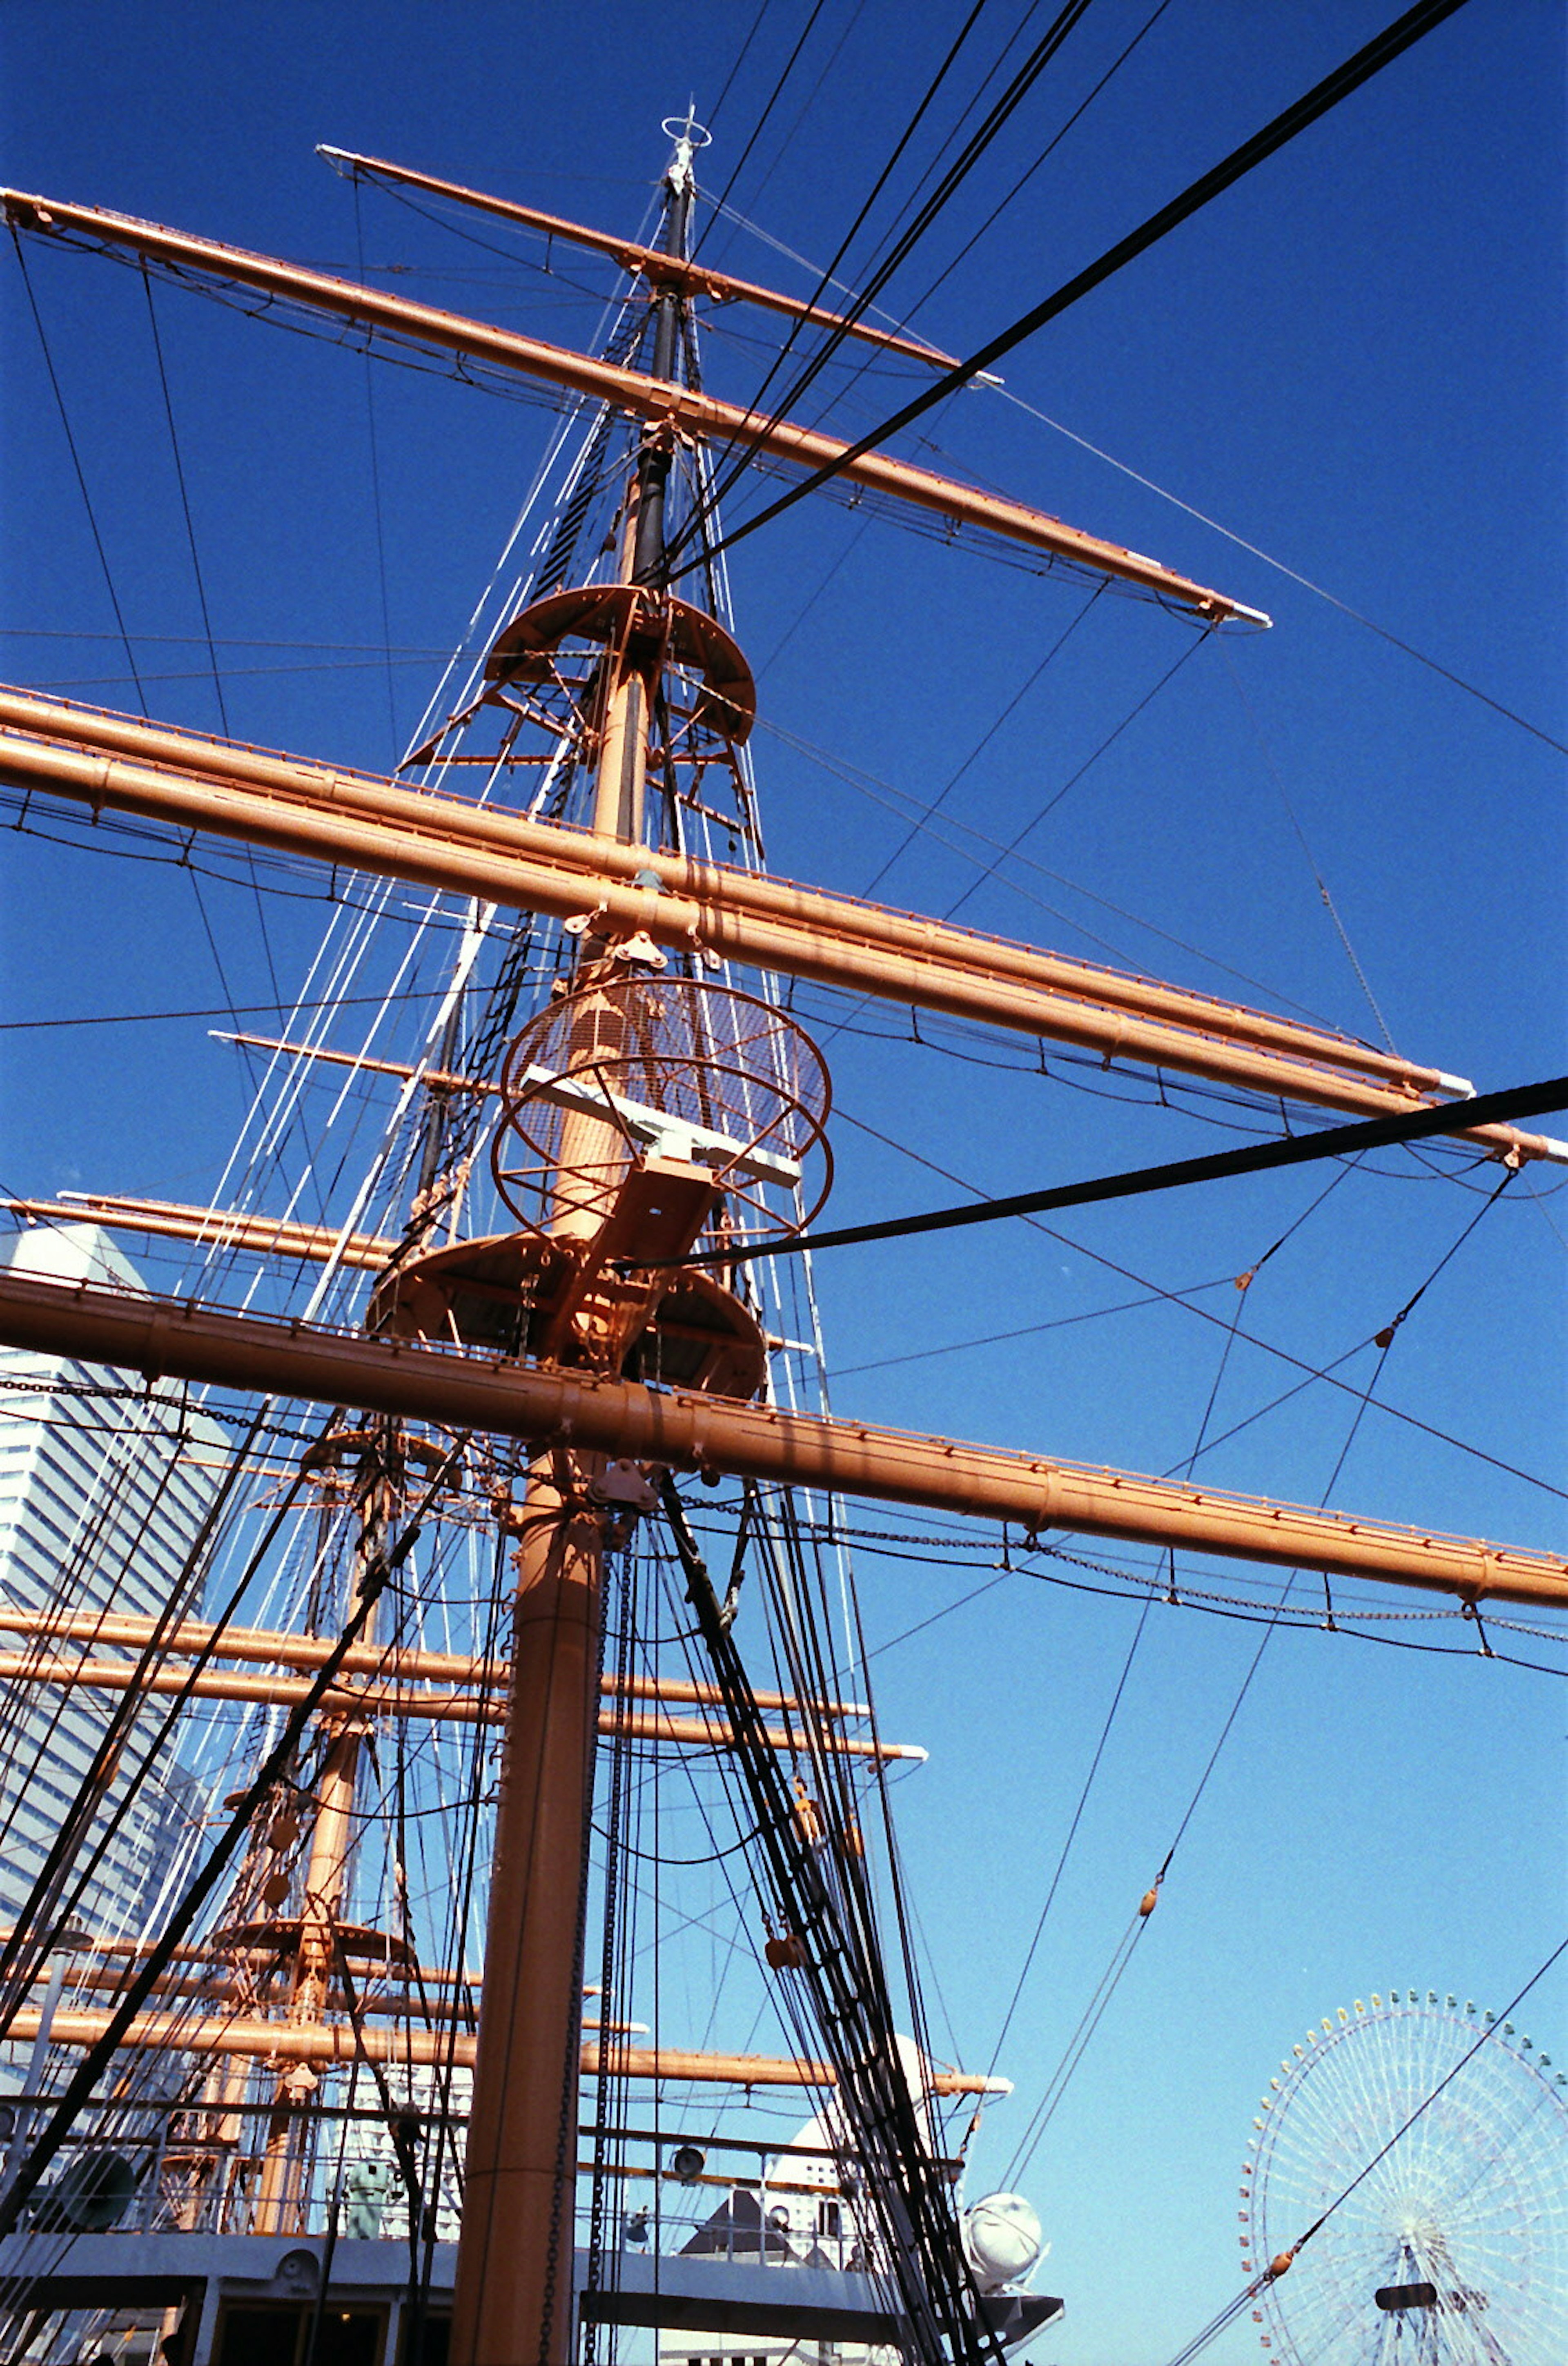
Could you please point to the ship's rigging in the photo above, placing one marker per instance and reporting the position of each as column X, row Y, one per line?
column 660, row 691
column 426, row 1170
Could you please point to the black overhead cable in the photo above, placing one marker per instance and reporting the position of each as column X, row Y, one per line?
column 959, row 130
column 1186, row 1302
column 975, row 147
column 1049, row 150
column 824, row 281
column 1325, row 95
column 1297, row 1150
column 914, row 229
column 774, row 97
column 809, row 102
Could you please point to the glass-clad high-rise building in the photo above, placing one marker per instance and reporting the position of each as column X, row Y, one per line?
column 105, row 1485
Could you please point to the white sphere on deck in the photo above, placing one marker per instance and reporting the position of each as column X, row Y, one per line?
column 1001, row 2240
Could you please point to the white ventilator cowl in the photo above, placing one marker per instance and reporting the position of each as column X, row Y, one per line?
column 1001, row 2240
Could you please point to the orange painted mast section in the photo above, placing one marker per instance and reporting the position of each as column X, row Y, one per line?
column 658, row 399
column 442, row 842
column 650, row 262
column 514, row 2296
column 687, row 1431
column 331, row 2041
column 513, row 2293
column 399, row 1662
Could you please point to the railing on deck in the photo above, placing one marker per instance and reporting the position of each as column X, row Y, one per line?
column 664, row 2191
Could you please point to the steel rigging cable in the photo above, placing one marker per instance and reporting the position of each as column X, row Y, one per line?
column 1186, row 1302
column 951, row 180
column 1094, row 2011
column 1186, row 1468
column 1324, row 97
column 78, row 2090
column 993, row 870
column 822, row 1891
column 978, row 751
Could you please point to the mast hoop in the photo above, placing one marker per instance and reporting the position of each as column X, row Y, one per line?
column 686, row 128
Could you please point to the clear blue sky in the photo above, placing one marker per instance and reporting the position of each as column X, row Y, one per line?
column 1353, row 362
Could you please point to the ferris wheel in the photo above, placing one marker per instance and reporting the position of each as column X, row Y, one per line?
column 1453, row 2251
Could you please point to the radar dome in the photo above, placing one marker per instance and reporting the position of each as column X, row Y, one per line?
column 1001, row 2240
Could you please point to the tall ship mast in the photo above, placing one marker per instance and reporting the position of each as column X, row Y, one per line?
column 504, row 1513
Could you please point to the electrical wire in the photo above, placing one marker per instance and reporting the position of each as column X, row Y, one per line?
column 741, row 54
column 1296, row 1150
column 771, row 101
column 1186, row 1301
column 969, row 157
column 1325, row 95
column 806, row 104
column 1036, row 165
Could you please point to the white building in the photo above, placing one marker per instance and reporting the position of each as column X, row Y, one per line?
column 104, row 1483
